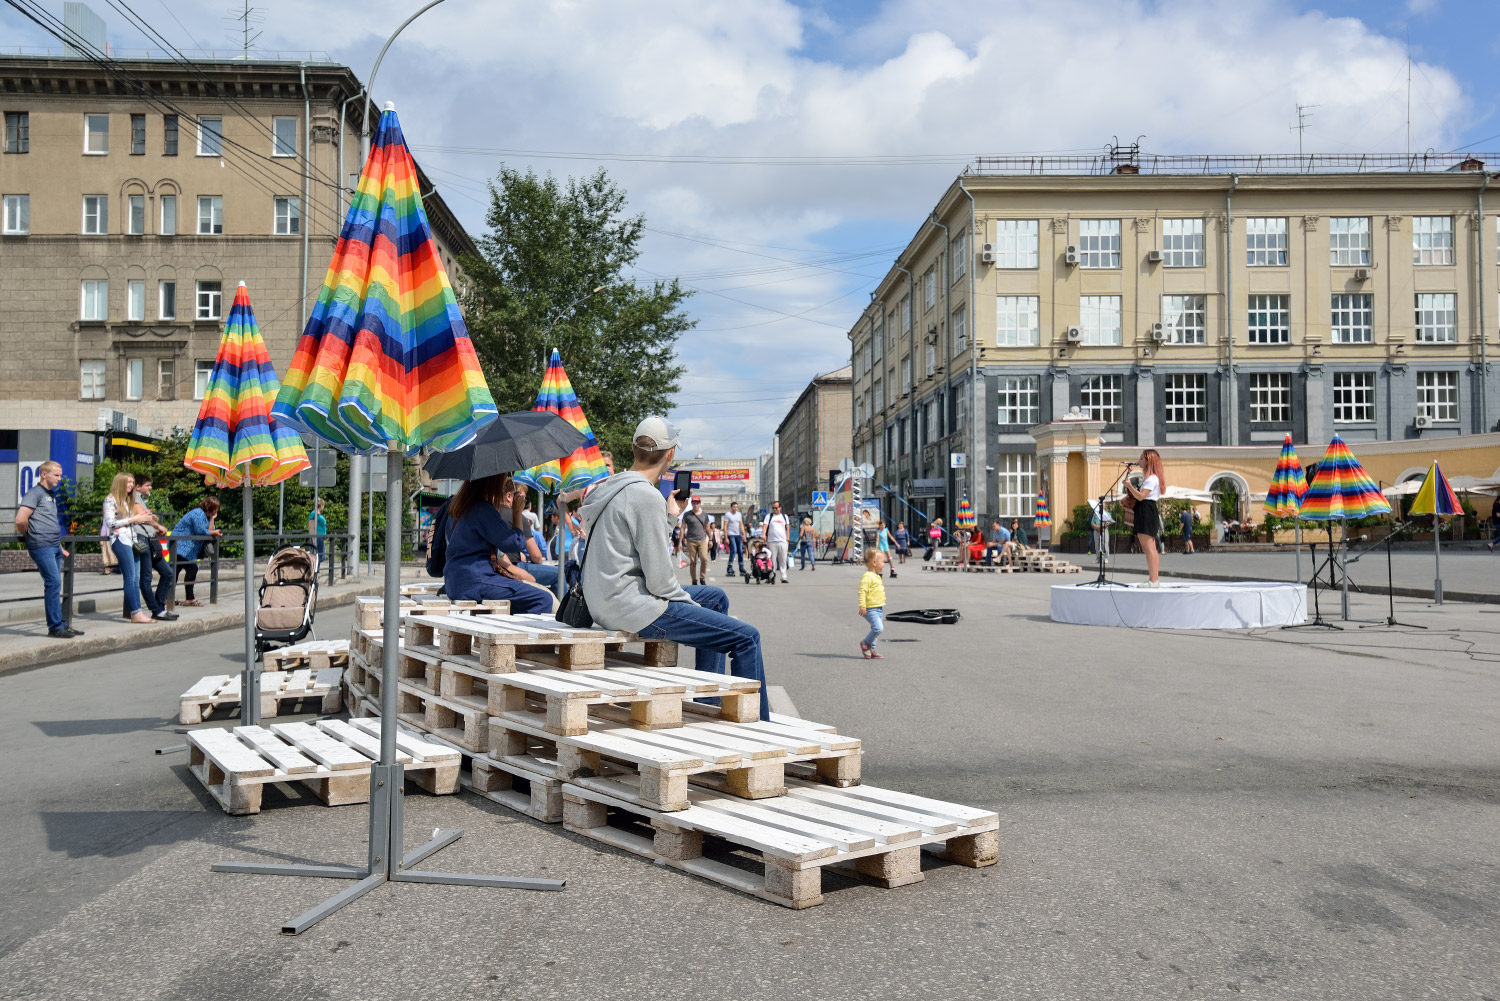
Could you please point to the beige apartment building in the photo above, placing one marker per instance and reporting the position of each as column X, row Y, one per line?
column 136, row 200
column 812, row 440
column 1187, row 302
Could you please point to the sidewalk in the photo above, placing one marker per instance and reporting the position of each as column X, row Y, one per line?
column 25, row 645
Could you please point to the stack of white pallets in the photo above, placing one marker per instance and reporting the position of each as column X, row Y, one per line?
column 626, row 748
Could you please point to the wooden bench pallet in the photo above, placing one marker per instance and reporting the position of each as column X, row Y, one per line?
column 332, row 759
column 276, row 687
column 941, row 567
column 495, row 642
column 748, row 760
column 369, row 610
column 872, row 833
column 313, row 654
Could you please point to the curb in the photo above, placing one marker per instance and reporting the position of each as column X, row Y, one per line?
column 147, row 636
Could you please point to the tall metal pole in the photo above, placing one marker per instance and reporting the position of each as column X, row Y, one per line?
column 364, row 148
column 387, row 778
column 250, row 679
column 370, row 529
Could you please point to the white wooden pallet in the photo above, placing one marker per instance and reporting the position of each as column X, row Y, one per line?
column 494, row 643
column 311, row 653
column 332, row 758
column 276, row 687
column 876, row 834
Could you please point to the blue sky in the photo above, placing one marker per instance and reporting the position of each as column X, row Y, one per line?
column 894, row 96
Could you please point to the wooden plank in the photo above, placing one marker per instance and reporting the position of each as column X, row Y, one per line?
column 206, row 687
column 411, row 743
column 268, row 746
column 703, row 679
column 615, row 745
column 672, row 741
column 320, row 746
column 800, row 724
column 359, row 740
column 629, row 676
column 603, row 682
column 545, row 684
column 231, row 755
column 821, row 794
column 839, row 837
column 884, row 831
column 791, row 744
column 965, row 815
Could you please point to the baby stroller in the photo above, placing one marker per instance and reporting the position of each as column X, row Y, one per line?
column 761, row 568
column 287, row 596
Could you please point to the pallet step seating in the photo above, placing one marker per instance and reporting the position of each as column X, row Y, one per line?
column 369, row 610
column 277, row 688
column 1029, row 560
column 331, row 758
column 313, row 654
column 494, row 643
column 870, row 833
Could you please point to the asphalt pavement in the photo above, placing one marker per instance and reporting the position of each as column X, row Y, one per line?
column 1266, row 815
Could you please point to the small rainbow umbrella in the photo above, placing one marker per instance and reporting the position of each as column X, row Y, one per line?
column 1041, row 519
column 1288, row 487
column 236, row 442
column 1436, row 498
column 965, row 518
column 1340, row 490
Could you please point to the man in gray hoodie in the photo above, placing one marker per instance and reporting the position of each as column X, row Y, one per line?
column 628, row 578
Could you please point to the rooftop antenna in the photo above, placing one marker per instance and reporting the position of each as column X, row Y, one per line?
column 1408, row 105
column 1302, row 116
column 247, row 16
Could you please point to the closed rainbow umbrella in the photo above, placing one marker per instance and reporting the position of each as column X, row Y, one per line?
column 965, row 518
column 1041, row 519
column 237, row 442
column 1340, row 490
column 1436, row 497
column 1288, row 487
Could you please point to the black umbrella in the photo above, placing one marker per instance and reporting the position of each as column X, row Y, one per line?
column 510, row 442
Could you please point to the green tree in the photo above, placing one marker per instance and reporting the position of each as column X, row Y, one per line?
column 548, row 246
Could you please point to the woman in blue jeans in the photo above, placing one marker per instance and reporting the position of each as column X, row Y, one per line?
column 477, row 568
column 119, row 527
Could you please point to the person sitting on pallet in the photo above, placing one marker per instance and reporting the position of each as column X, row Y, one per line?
column 628, row 580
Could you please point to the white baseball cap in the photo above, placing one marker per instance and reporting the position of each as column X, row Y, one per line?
column 657, row 434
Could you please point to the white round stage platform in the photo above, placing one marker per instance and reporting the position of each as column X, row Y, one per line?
column 1183, row 605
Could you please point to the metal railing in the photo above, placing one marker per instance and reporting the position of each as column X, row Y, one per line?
column 1247, row 163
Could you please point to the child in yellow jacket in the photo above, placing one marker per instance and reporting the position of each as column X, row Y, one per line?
column 872, row 602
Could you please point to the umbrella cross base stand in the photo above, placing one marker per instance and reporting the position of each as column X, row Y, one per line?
column 385, row 864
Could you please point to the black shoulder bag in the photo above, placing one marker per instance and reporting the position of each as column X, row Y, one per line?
column 573, row 610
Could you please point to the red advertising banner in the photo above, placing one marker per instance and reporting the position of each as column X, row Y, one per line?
column 711, row 475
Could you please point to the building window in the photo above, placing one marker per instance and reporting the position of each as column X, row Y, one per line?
column 166, row 379
column 135, row 300
column 1182, row 243
column 1437, row 396
column 135, row 378
column 1099, row 243
column 17, row 132
column 284, row 131
column 1437, row 316
column 960, row 328
column 1017, row 321
column 95, row 301
column 1270, row 319
column 1353, row 318
column 96, row 134
column 1186, row 398
column 91, row 380
column 1348, row 241
column 1185, row 318
column 879, row 395
column 203, row 368
column 958, row 253
column 1016, row 243
column 1101, row 398
column 210, row 215
column 168, row 216
column 166, row 300
column 137, row 135
column 905, row 314
column 929, row 288
column 1353, row 397
column 1271, row 397
column 95, row 215
column 17, row 214
column 1099, row 316
column 210, row 136
column 1016, row 472
column 288, row 216
column 1265, row 242
column 931, row 357
column 906, row 376
column 210, row 296
column 169, row 135
column 1432, row 239
column 1020, row 400
column 960, row 408
column 135, row 214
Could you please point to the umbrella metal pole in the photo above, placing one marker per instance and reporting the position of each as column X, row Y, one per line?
column 562, row 547
column 1437, row 554
column 1343, row 551
column 250, row 679
column 1297, row 544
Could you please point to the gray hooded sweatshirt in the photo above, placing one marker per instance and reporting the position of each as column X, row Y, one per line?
column 627, row 567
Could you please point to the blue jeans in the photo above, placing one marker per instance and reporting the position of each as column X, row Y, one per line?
column 144, row 562
column 545, row 574
column 876, row 618
column 704, row 624
column 130, row 572
column 48, row 560
column 805, row 555
column 736, row 551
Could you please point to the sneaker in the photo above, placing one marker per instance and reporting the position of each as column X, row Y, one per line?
column 60, row 634
column 864, row 649
column 164, row 616
column 75, row 632
column 1490, row 546
column 875, row 656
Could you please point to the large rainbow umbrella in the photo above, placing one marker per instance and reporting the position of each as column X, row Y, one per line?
column 585, row 465
column 965, row 518
column 1041, row 519
column 1340, row 490
column 1436, row 497
column 1288, row 487
column 236, row 442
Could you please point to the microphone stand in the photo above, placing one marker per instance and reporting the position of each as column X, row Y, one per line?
column 1317, row 621
column 1390, row 588
column 1103, row 579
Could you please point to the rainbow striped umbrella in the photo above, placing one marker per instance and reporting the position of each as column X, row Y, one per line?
column 1436, row 496
column 385, row 358
column 965, row 518
column 1288, row 484
column 1341, row 488
column 237, row 442
column 585, row 465
column 1041, row 519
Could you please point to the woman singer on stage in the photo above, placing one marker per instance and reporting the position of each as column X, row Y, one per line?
column 1147, row 517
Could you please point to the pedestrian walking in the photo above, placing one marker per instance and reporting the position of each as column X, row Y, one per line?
column 883, row 545
column 734, row 534
column 872, row 603
column 199, row 521
column 903, row 542
column 934, row 538
column 317, row 527
column 120, row 521
column 152, row 560
column 807, row 541
column 695, row 528
column 38, row 524
column 1186, row 520
column 778, row 531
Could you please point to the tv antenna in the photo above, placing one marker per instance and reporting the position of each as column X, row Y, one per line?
column 1302, row 116
column 244, row 33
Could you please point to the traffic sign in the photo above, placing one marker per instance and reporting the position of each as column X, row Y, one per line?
column 820, row 498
